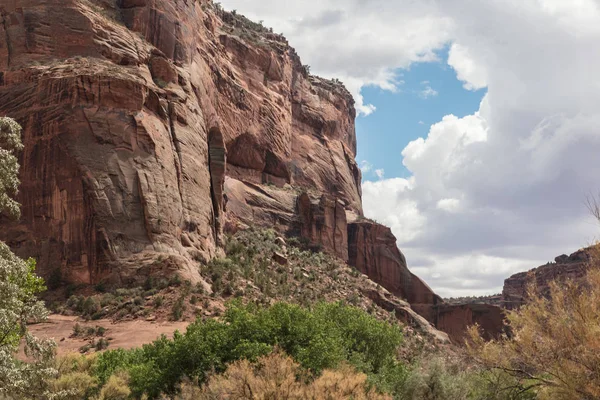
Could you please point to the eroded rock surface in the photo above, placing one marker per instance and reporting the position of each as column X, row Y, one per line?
column 373, row 251
column 323, row 222
column 456, row 319
column 135, row 111
column 151, row 127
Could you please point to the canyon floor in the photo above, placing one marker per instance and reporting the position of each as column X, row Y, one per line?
column 122, row 334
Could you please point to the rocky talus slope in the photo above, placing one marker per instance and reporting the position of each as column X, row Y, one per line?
column 151, row 127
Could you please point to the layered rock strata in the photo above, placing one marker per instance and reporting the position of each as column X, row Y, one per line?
column 153, row 127
column 136, row 112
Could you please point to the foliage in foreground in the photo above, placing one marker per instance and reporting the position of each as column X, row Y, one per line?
column 18, row 287
column 275, row 377
column 555, row 346
column 319, row 338
column 310, row 351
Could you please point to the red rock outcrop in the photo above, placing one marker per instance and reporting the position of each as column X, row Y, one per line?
column 572, row 267
column 135, row 111
column 323, row 223
column 405, row 312
column 372, row 250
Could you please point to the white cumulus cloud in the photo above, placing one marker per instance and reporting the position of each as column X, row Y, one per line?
column 365, row 166
column 468, row 70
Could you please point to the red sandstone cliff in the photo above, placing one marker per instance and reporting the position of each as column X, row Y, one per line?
column 133, row 113
column 373, row 251
column 153, row 126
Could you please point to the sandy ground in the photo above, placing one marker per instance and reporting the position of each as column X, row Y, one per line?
column 127, row 334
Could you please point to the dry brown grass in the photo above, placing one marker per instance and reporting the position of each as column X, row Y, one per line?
column 555, row 344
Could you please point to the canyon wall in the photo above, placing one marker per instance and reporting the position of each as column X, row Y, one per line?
column 373, row 251
column 153, row 127
column 140, row 115
column 456, row 319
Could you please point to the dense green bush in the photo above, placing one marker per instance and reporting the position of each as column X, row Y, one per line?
column 318, row 338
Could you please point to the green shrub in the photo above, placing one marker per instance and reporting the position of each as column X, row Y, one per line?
column 178, row 308
column 77, row 330
column 175, row 280
column 55, row 279
column 101, row 287
column 318, row 338
column 73, row 386
column 434, row 381
column 90, row 306
column 101, row 344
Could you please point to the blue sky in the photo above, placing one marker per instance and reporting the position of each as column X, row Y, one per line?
column 408, row 113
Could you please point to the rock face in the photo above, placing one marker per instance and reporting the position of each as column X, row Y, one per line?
column 324, row 223
column 455, row 319
column 373, row 251
column 140, row 116
column 572, row 267
column 405, row 312
column 152, row 127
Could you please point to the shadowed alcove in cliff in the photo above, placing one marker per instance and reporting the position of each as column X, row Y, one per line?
column 252, row 160
column 276, row 170
column 216, row 167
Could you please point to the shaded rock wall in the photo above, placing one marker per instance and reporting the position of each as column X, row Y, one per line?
column 323, row 223
column 217, row 161
column 455, row 319
column 372, row 250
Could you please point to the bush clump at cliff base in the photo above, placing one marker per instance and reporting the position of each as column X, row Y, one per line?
column 275, row 377
column 327, row 351
column 318, row 338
